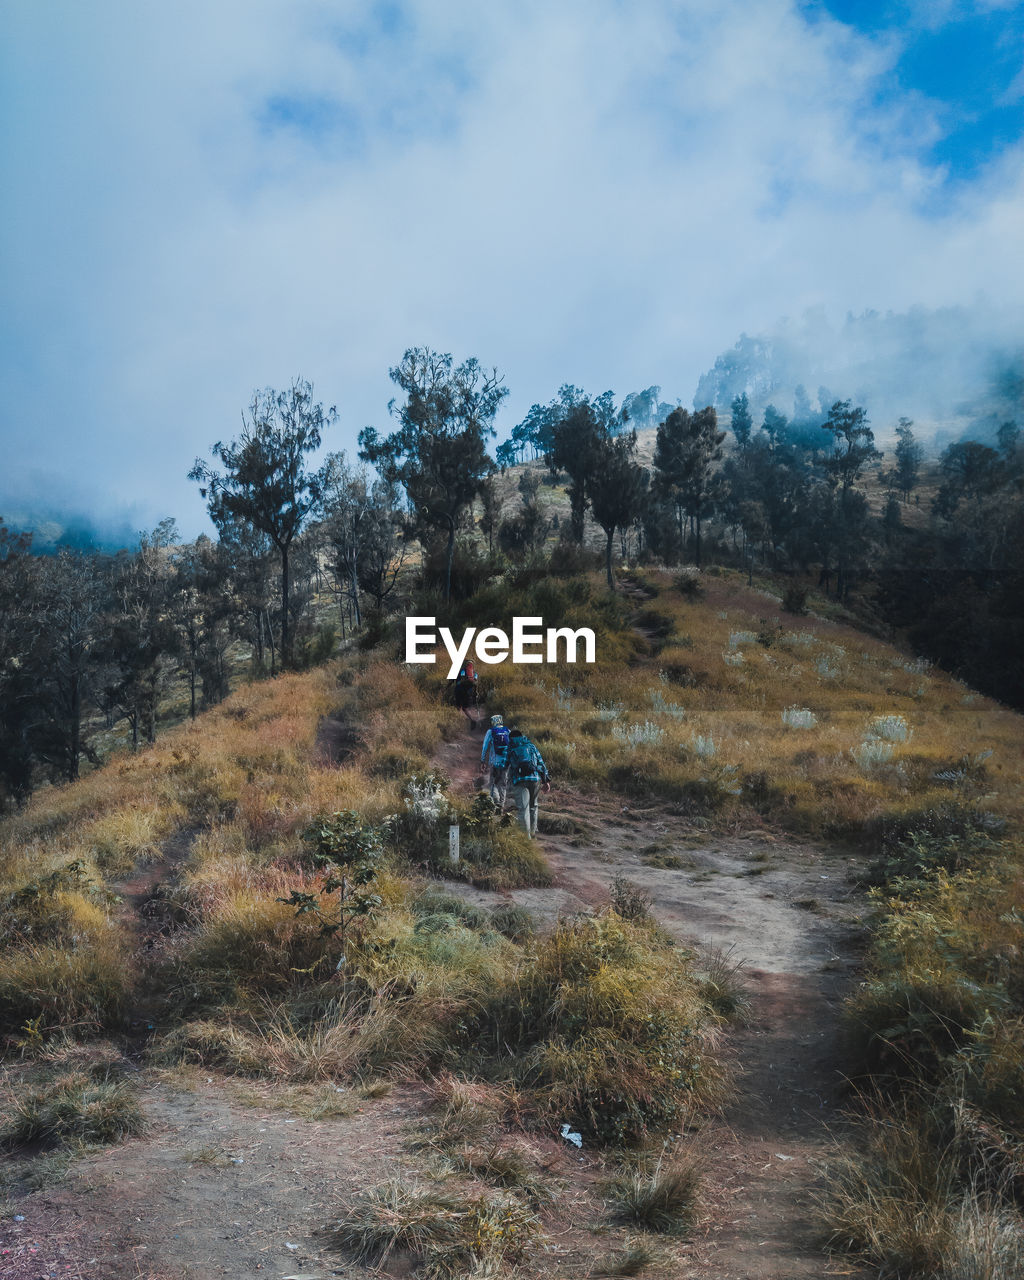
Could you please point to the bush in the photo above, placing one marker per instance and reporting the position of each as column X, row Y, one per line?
column 75, row 1108
column 794, row 599
column 515, row 922
column 606, row 1029
column 664, row 1198
column 629, row 901
column 80, row 990
column 450, row 1237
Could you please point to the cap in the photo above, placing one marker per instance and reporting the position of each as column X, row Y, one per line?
column 496, row 720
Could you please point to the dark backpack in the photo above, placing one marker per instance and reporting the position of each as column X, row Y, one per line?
column 499, row 746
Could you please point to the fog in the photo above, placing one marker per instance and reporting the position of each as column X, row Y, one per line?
column 944, row 368
column 204, row 200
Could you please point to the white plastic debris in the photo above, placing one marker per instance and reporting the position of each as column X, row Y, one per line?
column 571, row 1136
column 293, row 1247
column 238, row 1159
column 780, row 1156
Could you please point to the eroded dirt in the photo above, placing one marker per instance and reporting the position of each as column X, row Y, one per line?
column 788, row 912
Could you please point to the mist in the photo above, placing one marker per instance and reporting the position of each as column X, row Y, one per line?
column 946, row 368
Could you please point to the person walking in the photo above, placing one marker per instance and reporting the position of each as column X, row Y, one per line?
column 494, row 757
column 464, row 692
column 528, row 776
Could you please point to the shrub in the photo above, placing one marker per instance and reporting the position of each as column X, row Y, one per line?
column 873, row 753
column 794, row 599
column 703, row 746
column 448, row 1236
column 799, row 718
column 515, row 922
column 75, row 1108
column 433, row 901
column 629, row 901
column 80, row 990
column 722, row 984
column 647, row 734
column 606, row 1029
column 662, row 707
column 664, row 1198
column 889, row 729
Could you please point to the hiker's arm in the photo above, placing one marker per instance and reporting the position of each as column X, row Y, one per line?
column 483, row 749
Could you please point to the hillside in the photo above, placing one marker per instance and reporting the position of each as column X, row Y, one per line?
column 777, row 853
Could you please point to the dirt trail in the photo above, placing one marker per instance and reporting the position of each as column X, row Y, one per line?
column 787, row 911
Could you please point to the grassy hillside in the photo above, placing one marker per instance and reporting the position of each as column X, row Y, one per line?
column 179, row 908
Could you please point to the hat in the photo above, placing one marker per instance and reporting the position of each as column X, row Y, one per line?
column 496, row 720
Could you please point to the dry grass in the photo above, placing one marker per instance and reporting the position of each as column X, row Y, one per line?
column 448, row 1235
column 664, row 1198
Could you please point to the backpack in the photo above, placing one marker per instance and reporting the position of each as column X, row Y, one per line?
column 499, row 746
column 522, row 761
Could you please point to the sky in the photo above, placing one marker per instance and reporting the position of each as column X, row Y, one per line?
column 202, row 199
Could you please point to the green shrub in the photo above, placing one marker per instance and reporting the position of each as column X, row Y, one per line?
column 605, row 1025
column 515, row 922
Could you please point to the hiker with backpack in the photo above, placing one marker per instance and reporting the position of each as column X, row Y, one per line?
column 494, row 756
column 528, row 776
column 465, row 691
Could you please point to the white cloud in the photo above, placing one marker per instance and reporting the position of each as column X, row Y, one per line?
column 593, row 192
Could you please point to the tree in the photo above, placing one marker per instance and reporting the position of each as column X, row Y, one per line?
column 201, row 606
column 439, row 452
column 21, row 627
column 617, row 490
column 688, row 445
column 73, row 596
column 265, row 483
column 853, row 447
column 970, row 469
column 742, row 423
column 576, row 448
column 774, row 425
column 908, row 459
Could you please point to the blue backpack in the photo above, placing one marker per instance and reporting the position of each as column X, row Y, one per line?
column 523, row 760
column 499, row 746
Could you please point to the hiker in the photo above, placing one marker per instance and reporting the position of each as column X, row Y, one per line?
column 465, row 691
column 494, row 756
column 528, row 775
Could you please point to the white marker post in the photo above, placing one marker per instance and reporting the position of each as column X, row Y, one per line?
column 453, row 844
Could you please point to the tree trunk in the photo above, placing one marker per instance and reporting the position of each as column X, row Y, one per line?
column 355, row 591
column 285, row 641
column 450, row 557
column 75, row 744
column 609, row 537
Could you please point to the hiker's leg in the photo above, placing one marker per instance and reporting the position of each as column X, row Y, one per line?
column 521, row 799
column 495, row 787
column 503, row 787
column 534, row 806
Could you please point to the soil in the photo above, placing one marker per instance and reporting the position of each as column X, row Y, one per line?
column 234, row 1179
column 787, row 912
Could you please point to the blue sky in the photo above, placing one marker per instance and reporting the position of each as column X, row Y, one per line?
column 203, row 199
column 966, row 63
